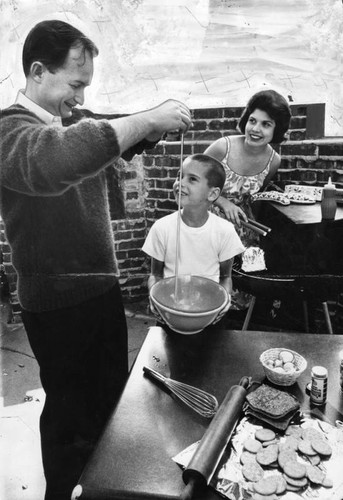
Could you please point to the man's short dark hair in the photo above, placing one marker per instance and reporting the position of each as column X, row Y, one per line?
column 276, row 106
column 49, row 42
column 215, row 173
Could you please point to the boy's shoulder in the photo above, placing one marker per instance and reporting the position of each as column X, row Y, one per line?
column 165, row 219
column 220, row 221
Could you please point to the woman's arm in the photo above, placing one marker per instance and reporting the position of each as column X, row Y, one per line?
column 217, row 149
column 232, row 212
column 272, row 170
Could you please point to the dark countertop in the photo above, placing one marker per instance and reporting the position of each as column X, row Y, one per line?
column 148, row 427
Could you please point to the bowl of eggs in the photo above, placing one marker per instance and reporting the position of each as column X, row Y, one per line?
column 282, row 366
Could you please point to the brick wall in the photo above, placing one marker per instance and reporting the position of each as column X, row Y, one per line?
column 146, row 181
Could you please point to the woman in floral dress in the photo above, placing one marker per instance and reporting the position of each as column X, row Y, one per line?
column 250, row 161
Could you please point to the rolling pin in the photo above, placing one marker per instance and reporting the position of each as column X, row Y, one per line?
column 205, row 460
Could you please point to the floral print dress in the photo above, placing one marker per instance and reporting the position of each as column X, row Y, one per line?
column 238, row 189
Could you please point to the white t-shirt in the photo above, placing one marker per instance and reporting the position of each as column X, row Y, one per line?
column 201, row 249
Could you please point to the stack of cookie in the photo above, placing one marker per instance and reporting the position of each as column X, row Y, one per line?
column 272, row 406
column 271, row 464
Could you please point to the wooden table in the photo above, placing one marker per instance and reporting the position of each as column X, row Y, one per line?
column 148, row 427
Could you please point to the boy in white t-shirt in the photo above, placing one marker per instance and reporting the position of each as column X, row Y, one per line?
column 208, row 243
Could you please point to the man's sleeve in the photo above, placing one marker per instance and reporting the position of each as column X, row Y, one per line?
column 137, row 149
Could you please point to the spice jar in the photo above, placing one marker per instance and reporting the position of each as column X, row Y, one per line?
column 319, row 385
column 329, row 204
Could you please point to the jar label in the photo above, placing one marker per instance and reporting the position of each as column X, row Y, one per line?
column 319, row 390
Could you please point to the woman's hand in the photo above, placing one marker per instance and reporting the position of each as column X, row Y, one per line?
column 232, row 212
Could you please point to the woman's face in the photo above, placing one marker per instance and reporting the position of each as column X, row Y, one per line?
column 259, row 129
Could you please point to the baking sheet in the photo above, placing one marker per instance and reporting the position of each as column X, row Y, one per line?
column 230, row 483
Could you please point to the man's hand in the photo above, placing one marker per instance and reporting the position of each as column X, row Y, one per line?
column 168, row 116
column 151, row 124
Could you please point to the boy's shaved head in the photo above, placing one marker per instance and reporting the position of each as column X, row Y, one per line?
column 215, row 173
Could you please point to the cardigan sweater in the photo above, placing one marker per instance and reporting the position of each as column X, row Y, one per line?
column 55, row 208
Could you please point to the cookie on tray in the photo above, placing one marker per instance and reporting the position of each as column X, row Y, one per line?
column 265, row 435
column 252, row 471
column 252, row 445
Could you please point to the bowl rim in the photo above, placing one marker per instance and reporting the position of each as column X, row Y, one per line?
column 189, row 313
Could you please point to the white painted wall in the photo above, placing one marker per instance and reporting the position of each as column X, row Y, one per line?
column 205, row 52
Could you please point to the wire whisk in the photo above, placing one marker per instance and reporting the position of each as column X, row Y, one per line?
column 200, row 401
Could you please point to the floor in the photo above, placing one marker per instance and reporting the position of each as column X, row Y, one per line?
column 22, row 399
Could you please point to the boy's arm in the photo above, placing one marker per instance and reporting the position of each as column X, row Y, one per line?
column 226, row 281
column 156, row 273
column 225, row 275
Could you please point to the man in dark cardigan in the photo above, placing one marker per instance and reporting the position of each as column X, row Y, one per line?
column 56, row 214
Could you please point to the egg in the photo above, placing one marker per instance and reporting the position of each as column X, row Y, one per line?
column 286, row 356
column 289, row 367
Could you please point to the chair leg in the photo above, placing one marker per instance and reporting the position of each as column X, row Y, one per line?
column 305, row 309
column 249, row 313
column 327, row 318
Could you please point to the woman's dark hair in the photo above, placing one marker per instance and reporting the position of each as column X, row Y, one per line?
column 215, row 173
column 49, row 43
column 276, row 106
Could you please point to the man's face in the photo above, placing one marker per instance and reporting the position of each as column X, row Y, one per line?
column 60, row 91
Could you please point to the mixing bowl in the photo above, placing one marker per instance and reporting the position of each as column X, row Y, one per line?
column 188, row 303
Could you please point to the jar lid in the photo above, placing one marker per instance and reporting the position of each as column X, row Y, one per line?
column 319, row 371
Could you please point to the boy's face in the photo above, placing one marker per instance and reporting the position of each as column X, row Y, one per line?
column 194, row 185
column 259, row 129
column 60, row 91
